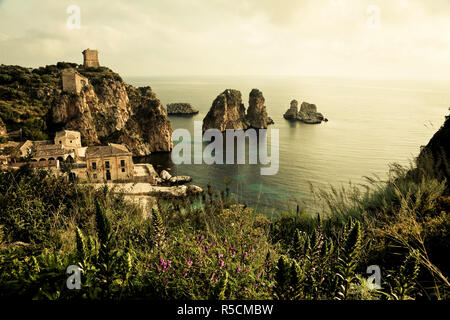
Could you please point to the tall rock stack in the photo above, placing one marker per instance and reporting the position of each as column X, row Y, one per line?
column 292, row 112
column 227, row 112
column 257, row 113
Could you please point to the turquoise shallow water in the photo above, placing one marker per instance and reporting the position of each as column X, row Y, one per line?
column 372, row 123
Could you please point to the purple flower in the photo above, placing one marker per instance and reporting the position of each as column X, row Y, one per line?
column 238, row 269
column 189, row 263
column 245, row 254
column 221, row 263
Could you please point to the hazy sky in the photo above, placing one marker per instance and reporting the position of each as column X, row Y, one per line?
column 411, row 38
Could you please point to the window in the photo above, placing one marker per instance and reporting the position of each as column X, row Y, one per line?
column 122, row 163
column 107, row 164
column 123, row 169
column 94, row 165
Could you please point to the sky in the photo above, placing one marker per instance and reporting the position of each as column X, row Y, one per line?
column 337, row 38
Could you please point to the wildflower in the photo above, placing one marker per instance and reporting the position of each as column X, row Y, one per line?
column 185, row 274
column 245, row 254
column 167, row 281
column 233, row 254
column 189, row 263
column 253, row 250
column 221, row 263
column 212, row 277
column 238, row 269
column 219, row 255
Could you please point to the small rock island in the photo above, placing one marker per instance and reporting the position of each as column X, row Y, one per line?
column 307, row 114
column 177, row 109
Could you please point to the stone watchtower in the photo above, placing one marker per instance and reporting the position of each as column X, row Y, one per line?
column 90, row 58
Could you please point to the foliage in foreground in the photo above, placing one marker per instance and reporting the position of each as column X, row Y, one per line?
column 207, row 247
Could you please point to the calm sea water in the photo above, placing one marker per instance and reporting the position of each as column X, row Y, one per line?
column 372, row 123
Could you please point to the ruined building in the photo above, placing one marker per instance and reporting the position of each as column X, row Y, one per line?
column 72, row 81
column 90, row 58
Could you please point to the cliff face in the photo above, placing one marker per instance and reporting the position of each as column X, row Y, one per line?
column 106, row 109
column 227, row 112
column 107, row 113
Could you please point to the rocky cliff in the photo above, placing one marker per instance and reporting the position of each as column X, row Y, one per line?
column 181, row 109
column 106, row 109
column 228, row 112
column 434, row 158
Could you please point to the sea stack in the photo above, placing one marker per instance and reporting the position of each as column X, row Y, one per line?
column 227, row 112
column 292, row 112
column 257, row 113
column 307, row 114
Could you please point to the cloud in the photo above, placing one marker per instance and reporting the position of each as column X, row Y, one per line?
column 217, row 37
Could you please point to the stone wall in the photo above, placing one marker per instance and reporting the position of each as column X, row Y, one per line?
column 72, row 81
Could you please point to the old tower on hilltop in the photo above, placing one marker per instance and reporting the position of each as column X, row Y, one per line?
column 90, row 58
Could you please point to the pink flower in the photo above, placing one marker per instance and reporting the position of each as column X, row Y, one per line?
column 219, row 255
column 212, row 277
column 253, row 250
column 221, row 263
column 238, row 269
column 189, row 263
column 245, row 254
column 185, row 274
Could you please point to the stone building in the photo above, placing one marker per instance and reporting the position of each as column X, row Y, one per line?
column 90, row 58
column 109, row 163
column 72, row 81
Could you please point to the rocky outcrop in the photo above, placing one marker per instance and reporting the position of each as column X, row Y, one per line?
column 227, row 112
column 181, row 109
column 292, row 112
column 434, row 158
column 108, row 109
column 257, row 113
column 307, row 114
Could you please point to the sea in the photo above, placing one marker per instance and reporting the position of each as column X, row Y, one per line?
column 372, row 123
